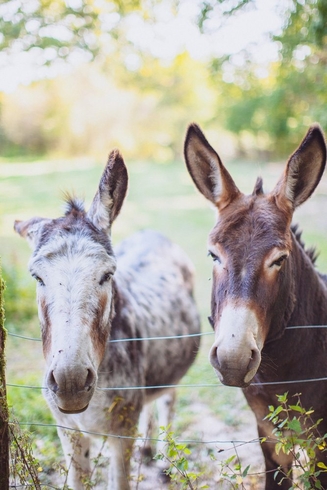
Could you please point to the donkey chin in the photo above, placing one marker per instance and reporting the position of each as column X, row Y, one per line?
column 71, row 403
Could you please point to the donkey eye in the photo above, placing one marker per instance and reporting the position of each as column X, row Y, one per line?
column 278, row 262
column 38, row 279
column 214, row 257
column 105, row 278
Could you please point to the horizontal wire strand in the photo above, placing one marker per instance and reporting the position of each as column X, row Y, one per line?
column 137, row 438
column 195, row 385
column 168, row 337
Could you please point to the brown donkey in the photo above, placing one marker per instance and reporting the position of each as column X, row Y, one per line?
column 263, row 282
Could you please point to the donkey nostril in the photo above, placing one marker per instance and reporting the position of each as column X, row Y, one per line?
column 52, row 383
column 254, row 359
column 213, row 358
column 90, row 378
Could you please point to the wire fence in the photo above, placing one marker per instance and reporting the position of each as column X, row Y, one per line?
column 192, row 441
column 169, row 337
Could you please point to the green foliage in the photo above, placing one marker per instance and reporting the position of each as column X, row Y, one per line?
column 4, row 431
column 187, row 471
column 58, row 29
column 208, row 8
column 231, row 470
column 24, row 466
column 102, row 105
column 179, row 470
column 19, row 297
column 272, row 112
column 297, row 434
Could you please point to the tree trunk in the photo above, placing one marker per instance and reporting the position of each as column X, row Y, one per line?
column 4, row 434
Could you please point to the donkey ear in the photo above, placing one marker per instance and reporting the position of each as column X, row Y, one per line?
column 31, row 229
column 109, row 198
column 206, row 169
column 303, row 171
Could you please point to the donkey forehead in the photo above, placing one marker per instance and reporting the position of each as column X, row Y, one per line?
column 73, row 245
column 252, row 222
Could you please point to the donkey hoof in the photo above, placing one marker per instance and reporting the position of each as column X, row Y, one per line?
column 163, row 477
column 146, row 455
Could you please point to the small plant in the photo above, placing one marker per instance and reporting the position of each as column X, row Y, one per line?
column 176, row 454
column 23, row 465
column 231, row 470
column 297, row 434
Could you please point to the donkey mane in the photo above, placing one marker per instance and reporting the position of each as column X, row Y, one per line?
column 73, row 205
column 258, row 187
column 310, row 252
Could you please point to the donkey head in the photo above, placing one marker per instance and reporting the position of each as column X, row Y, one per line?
column 251, row 247
column 73, row 264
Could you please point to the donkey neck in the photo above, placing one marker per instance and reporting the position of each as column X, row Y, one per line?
column 309, row 288
column 121, row 327
column 306, row 304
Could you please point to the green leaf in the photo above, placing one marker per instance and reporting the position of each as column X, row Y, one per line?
column 229, row 460
column 295, row 426
column 297, row 408
column 278, row 447
column 282, row 398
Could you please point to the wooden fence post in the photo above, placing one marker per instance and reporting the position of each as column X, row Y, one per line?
column 4, row 432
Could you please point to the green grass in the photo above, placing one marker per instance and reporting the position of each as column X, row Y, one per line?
column 160, row 197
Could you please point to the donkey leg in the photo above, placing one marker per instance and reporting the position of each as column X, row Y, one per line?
column 145, row 429
column 165, row 406
column 76, row 447
column 280, row 463
column 120, row 463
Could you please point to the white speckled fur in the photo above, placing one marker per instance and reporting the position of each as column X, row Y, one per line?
column 150, row 294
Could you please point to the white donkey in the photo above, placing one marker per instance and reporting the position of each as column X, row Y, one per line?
column 88, row 298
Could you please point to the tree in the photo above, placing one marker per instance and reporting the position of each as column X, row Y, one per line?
column 4, row 431
column 58, row 28
column 278, row 108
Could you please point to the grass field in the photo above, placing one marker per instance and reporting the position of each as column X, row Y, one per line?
column 160, row 197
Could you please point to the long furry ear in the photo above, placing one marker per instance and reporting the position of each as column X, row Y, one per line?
column 31, row 229
column 303, row 171
column 112, row 189
column 207, row 170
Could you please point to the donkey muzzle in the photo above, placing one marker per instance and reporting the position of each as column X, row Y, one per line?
column 235, row 367
column 72, row 389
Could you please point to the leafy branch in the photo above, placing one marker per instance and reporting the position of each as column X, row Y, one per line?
column 298, row 434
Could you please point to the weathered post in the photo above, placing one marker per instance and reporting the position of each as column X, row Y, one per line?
column 4, row 433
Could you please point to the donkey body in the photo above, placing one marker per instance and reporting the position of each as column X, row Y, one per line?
column 263, row 282
column 90, row 301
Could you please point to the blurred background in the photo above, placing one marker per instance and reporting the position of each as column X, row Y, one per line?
column 79, row 77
